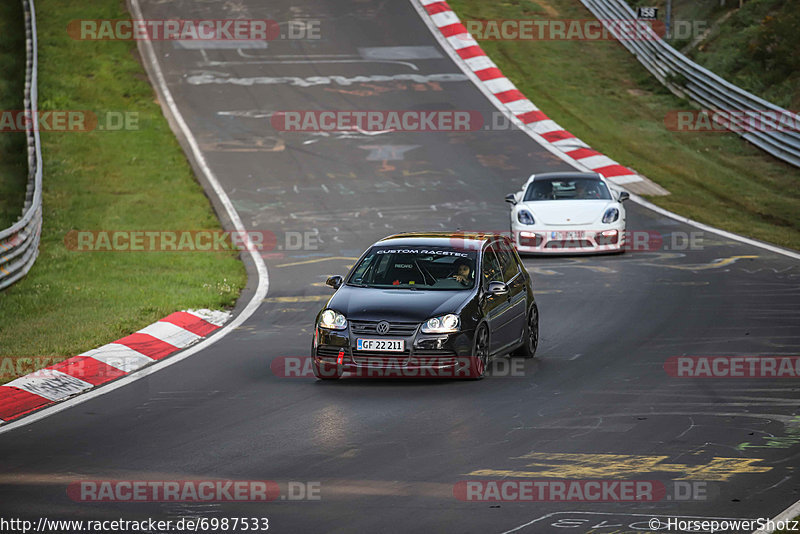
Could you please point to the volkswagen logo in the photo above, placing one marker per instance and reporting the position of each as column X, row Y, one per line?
column 382, row 328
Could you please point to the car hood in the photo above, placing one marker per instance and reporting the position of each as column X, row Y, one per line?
column 361, row 303
column 568, row 212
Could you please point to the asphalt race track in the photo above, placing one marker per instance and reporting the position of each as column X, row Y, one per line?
column 596, row 403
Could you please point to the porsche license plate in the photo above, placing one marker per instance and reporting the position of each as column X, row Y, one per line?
column 381, row 345
column 577, row 234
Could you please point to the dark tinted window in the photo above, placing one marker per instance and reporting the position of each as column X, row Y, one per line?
column 567, row 189
column 507, row 261
column 416, row 267
column 492, row 270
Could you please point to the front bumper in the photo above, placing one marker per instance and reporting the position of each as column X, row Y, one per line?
column 569, row 241
column 424, row 355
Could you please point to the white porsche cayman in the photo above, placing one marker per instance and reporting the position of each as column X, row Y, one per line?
column 568, row 213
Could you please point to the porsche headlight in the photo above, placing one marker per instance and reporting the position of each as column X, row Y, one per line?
column 611, row 215
column 444, row 324
column 333, row 320
column 525, row 217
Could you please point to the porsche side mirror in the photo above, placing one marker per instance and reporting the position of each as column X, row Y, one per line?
column 511, row 199
column 334, row 281
column 497, row 288
column 624, row 195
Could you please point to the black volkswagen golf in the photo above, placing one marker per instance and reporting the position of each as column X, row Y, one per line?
column 427, row 305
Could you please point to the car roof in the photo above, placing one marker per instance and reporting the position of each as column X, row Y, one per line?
column 469, row 240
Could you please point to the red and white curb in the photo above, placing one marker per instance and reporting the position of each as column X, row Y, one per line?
column 91, row 369
column 515, row 103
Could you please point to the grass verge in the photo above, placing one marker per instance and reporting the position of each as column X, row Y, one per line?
column 598, row 91
column 135, row 179
column 753, row 46
column 795, row 521
column 13, row 151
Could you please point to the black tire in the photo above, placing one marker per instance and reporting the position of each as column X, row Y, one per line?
column 479, row 360
column 531, row 343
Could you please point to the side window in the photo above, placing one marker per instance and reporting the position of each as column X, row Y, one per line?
column 507, row 261
column 491, row 270
column 362, row 269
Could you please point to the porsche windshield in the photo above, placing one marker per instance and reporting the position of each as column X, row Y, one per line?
column 567, row 189
column 416, row 267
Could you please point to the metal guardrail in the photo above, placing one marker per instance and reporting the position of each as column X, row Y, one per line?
column 19, row 244
column 689, row 80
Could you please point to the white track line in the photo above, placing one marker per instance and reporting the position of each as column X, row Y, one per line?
column 448, row 47
column 787, row 515
column 157, row 76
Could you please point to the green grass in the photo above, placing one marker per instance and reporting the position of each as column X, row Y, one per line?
column 598, row 91
column 13, row 151
column 757, row 49
column 754, row 48
column 72, row 301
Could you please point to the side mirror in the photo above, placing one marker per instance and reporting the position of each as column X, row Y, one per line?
column 497, row 288
column 334, row 281
column 511, row 199
column 624, row 195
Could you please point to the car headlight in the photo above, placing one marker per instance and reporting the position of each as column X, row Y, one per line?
column 333, row 320
column 444, row 324
column 611, row 215
column 525, row 217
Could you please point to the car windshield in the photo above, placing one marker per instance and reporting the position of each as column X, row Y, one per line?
column 415, row 267
column 567, row 189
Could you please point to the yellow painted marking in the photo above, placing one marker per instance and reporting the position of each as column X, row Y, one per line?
column 561, row 465
column 546, row 291
column 596, row 268
column 304, row 298
column 315, row 260
column 539, row 270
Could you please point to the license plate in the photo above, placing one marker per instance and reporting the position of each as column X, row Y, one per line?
column 577, row 234
column 381, row 345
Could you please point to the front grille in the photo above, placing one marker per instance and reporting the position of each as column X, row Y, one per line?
column 395, row 328
column 606, row 240
column 328, row 352
column 571, row 244
column 433, row 358
column 380, row 359
column 530, row 241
